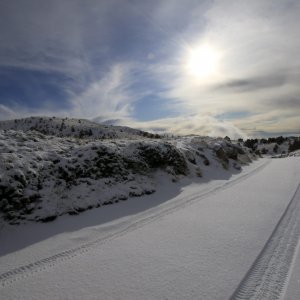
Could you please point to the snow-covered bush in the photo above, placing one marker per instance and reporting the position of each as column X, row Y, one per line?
column 44, row 176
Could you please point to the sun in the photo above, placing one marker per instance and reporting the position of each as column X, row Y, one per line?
column 202, row 61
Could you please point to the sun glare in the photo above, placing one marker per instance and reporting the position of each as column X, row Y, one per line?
column 203, row 61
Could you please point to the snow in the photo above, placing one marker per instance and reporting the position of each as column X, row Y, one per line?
column 293, row 287
column 71, row 128
column 275, row 147
column 295, row 153
column 44, row 176
column 198, row 222
column 186, row 241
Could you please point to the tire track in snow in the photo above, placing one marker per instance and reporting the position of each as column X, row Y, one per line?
column 267, row 277
column 28, row 270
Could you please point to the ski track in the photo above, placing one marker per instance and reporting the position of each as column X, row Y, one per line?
column 10, row 277
column 267, row 277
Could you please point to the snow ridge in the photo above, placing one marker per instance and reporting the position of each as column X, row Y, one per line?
column 14, row 275
column 266, row 279
column 70, row 127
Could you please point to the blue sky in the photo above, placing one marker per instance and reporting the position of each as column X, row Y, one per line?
column 142, row 63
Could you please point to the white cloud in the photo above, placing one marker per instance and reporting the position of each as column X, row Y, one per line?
column 108, row 98
column 184, row 125
column 6, row 113
column 259, row 69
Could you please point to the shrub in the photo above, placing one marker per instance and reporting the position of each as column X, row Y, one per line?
column 294, row 145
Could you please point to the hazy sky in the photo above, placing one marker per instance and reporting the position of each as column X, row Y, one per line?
column 183, row 66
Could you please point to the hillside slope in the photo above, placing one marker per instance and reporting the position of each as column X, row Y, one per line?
column 199, row 244
column 278, row 146
column 72, row 128
column 45, row 176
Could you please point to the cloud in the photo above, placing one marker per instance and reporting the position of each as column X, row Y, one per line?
column 66, row 36
column 107, row 98
column 289, row 104
column 259, row 66
column 115, row 53
column 251, row 84
column 184, row 125
column 6, row 113
column 274, row 121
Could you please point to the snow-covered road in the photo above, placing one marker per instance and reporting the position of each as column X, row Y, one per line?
column 199, row 244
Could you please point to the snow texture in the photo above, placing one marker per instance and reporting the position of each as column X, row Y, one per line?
column 217, row 227
column 198, row 244
column 275, row 147
column 43, row 176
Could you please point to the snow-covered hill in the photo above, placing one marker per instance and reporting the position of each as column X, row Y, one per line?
column 45, row 176
column 278, row 147
column 79, row 128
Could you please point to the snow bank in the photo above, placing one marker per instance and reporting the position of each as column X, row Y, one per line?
column 45, row 176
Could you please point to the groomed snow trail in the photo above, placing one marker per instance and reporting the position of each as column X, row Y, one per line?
column 266, row 278
column 200, row 244
column 12, row 276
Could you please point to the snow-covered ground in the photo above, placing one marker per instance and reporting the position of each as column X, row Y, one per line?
column 69, row 127
column 186, row 241
column 276, row 147
column 44, row 176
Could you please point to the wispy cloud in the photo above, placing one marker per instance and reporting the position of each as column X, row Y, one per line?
column 108, row 98
column 6, row 113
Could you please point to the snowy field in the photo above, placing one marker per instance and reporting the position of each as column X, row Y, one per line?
column 235, row 238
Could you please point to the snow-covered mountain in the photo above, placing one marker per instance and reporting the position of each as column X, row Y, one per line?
column 45, row 175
